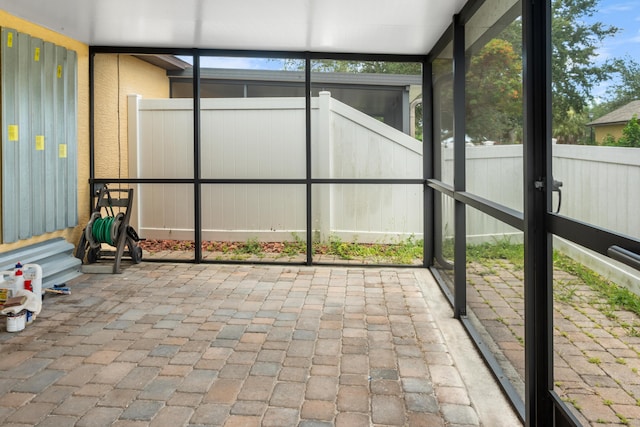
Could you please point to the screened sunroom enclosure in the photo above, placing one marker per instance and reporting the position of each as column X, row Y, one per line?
column 302, row 173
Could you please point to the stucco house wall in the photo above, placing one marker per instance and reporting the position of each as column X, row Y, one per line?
column 613, row 122
column 82, row 50
column 117, row 76
column 602, row 131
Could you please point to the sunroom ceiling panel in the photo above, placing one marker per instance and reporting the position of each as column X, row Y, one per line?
column 358, row 26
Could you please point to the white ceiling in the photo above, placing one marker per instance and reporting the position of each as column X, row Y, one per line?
column 356, row 26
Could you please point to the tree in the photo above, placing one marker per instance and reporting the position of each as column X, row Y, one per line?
column 630, row 134
column 572, row 129
column 340, row 66
column 494, row 92
column 627, row 88
column 574, row 44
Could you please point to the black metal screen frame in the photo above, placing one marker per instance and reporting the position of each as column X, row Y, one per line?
column 198, row 181
column 542, row 406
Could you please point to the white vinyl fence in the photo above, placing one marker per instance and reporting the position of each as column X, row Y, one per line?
column 600, row 186
column 264, row 138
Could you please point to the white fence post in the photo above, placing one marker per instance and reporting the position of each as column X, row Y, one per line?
column 133, row 136
column 324, row 206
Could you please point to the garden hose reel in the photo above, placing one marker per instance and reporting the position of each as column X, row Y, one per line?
column 113, row 229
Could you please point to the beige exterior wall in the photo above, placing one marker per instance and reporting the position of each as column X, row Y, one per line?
column 117, row 76
column 82, row 50
column 602, row 131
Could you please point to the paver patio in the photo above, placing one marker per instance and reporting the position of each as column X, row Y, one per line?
column 212, row 345
column 596, row 350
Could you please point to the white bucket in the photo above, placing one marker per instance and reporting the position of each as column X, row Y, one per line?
column 16, row 322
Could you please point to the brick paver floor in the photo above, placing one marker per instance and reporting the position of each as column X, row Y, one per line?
column 167, row 344
column 596, row 349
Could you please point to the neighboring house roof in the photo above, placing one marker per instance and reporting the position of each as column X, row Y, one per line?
column 621, row 115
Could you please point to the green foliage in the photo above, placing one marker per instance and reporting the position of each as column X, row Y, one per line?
column 298, row 246
column 494, row 92
column 609, row 140
column 574, row 44
column 572, row 130
column 630, row 135
column 609, row 293
column 627, row 88
column 251, row 246
column 500, row 249
column 342, row 249
column 403, row 252
column 340, row 66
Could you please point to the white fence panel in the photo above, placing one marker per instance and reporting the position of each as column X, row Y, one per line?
column 363, row 147
column 253, row 138
column 164, row 139
column 600, row 185
column 351, row 144
column 265, row 138
column 495, row 173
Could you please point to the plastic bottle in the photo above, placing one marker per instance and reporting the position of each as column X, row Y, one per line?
column 18, row 279
column 5, row 286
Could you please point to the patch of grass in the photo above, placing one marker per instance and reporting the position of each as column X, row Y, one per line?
column 342, row 249
column 616, row 297
column 633, row 331
column 594, row 360
column 294, row 248
column 406, row 251
column 573, row 402
column 251, row 246
column 499, row 249
column 564, row 290
column 403, row 252
column 622, row 419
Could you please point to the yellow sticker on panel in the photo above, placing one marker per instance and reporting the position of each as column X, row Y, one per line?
column 59, row 71
column 62, row 151
column 9, row 39
column 36, row 54
column 13, row 132
column 39, row 142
